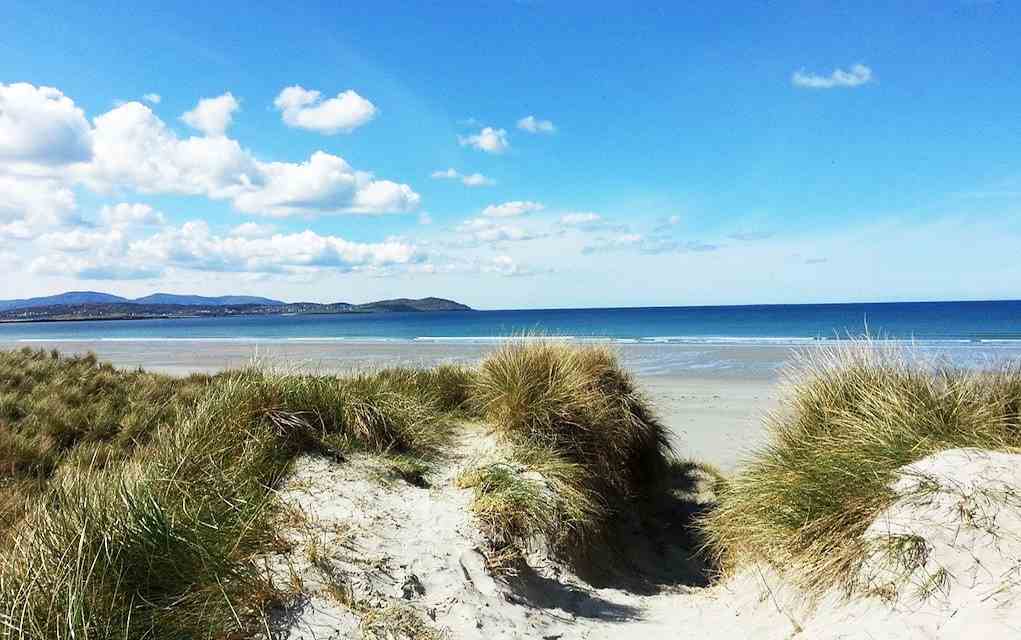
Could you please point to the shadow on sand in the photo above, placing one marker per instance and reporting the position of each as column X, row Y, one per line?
column 655, row 546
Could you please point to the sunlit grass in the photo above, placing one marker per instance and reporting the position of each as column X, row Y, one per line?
column 850, row 418
column 581, row 442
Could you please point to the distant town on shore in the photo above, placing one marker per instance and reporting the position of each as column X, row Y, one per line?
column 92, row 305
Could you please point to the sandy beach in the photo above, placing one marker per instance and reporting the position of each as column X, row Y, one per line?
column 711, row 396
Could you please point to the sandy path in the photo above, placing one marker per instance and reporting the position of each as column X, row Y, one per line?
column 381, row 543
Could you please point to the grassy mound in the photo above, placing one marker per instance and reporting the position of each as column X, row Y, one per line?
column 583, row 442
column 55, row 409
column 141, row 502
column 850, row 418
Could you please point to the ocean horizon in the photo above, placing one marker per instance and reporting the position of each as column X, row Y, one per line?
column 979, row 322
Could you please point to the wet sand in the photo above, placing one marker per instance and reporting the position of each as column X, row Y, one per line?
column 712, row 397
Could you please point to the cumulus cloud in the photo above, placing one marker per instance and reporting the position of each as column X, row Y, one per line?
column 488, row 139
column 130, row 148
column 81, row 240
column 505, row 266
column 304, row 109
column 512, row 209
column 253, row 230
column 325, row 183
column 212, row 116
column 192, row 246
column 531, row 124
column 83, row 268
column 152, row 98
column 40, row 125
column 858, row 75
column 476, row 231
column 127, row 215
column 470, row 180
column 135, row 149
column 30, row 204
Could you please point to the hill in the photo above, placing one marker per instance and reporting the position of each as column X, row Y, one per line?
column 70, row 297
column 193, row 306
column 407, row 304
column 172, row 298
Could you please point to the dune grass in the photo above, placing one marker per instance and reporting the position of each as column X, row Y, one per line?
column 583, row 442
column 850, row 417
column 141, row 502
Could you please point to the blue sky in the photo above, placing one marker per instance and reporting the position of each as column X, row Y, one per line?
column 681, row 154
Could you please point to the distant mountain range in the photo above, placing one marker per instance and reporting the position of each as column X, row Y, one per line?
column 96, row 297
column 81, row 305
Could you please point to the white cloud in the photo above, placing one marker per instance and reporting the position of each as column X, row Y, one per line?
column 579, row 219
column 532, row 124
column 324, row 183
column 48, row 148
column 504, row 266
column 303, row 108
column 84, row 268
column 193, row 247
column 212, row 116
column 81, row 240
column 449, row 174
column 857, row 76
column 135, row 149
column 475, row 231
column 127, row 215
column 253, row 230
column 424, row 218
column 16, row 230
column 152, row 98
column 652, row 244
column 30, row 204
column 41, row 125
column 512, row 209
column 477, row 180
column 471, row 180
column 489, row 140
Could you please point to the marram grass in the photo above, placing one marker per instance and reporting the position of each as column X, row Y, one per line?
column 582, row 442
column 137, row 504
column 849, row 418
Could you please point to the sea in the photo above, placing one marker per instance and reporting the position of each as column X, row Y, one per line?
column 965, row 332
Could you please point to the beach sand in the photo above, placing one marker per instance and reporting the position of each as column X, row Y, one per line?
column 712, row 397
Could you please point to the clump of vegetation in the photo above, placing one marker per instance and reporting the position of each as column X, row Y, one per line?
column 142, row 501
column 57, row 409
column 583, row 441
column 850, row 418
column 396, row 621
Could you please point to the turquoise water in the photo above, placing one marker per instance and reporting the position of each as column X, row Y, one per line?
column 988, row 323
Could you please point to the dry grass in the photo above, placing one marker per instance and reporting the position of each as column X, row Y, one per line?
column 583, row 442
column 850, row 418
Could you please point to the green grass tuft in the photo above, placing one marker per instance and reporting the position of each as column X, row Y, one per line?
column 137, row 504
column 583, row 442
column 850, row 418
